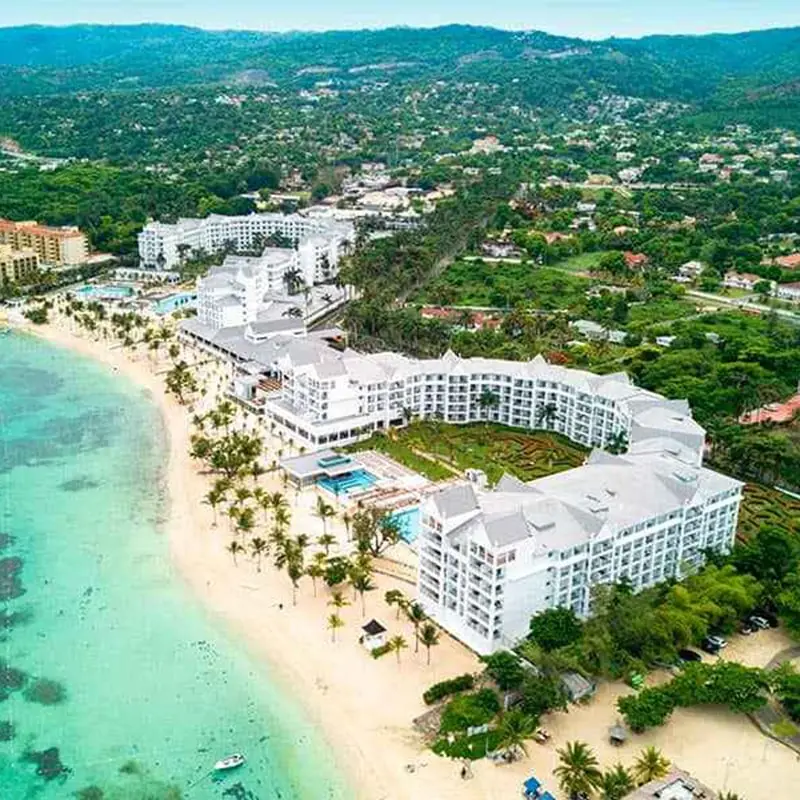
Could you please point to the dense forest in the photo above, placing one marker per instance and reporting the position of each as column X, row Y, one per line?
column 715, row 72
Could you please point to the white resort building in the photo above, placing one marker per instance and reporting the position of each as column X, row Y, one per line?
column 490, row 559
column 321, row 241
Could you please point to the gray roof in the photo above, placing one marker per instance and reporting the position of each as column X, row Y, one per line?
column 456, row 500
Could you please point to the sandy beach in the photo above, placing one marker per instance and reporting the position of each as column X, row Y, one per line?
column 364, row 706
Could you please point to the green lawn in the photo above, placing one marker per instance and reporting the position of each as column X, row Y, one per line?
column 493, row 448
column 480, row 283
column 583, row 262
column 659, row 311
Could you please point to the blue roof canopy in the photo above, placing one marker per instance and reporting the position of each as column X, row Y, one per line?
column 547, row 796
column 531, row 785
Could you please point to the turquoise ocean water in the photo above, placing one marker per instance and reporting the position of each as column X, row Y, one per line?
column 108, row 666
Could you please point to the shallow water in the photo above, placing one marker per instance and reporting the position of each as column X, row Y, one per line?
column 148, row 690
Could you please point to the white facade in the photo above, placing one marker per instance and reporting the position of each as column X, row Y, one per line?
column 161, row 244
column 235, row 292
column 330, row 397
column 490, row 560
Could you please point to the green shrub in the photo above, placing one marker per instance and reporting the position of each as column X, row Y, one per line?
column 469, row 747
column 381, row 651
column 469, row 710
column 436, row 692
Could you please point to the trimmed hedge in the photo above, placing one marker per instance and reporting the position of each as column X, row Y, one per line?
column 439, row 690
column 381, row 651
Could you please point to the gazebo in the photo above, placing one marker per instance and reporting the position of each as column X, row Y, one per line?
column 374, row 635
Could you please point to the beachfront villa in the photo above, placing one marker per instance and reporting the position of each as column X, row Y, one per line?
column 317, row 240
column 488, row 559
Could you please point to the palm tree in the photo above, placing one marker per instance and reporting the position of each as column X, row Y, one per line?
column 617, row 443
column 258, row 548
column 334, row 623
column 347, row 519
column 234, row 548
column 398, row 644
column 577, row 771
column 327, row 540
column 362, row 583
column 429, row 636
column 488, row 400
column 214, row 498
column 514, row 730
column 547, row 415
column 324, row 511
column 338, row 600
column 416, row 616
column 650, row 766
column 316, row 570
column 394, row 597
column 616, row 783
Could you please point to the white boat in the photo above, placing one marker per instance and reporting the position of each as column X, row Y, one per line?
column 236, row 760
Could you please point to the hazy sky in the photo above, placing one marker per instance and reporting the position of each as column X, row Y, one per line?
column 587, row 18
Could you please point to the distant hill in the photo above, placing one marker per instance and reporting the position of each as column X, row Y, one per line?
column 745, row 68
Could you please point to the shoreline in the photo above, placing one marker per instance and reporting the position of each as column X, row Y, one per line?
column 371, row 759
column 363, row 708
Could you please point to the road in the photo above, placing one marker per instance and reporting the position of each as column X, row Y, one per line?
column 744, row 305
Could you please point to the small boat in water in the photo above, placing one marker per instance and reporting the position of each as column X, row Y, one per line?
column 236, row 760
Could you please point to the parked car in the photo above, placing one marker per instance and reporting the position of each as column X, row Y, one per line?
column 758, row 623
column 689, row 655
column 747, row 630
column 713, row 644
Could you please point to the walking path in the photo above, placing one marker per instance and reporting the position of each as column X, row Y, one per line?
column 771, row 715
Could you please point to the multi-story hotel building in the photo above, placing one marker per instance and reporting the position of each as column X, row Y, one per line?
column 488, row 560
column 65, row 246
column 17, row 266
column 162, row 245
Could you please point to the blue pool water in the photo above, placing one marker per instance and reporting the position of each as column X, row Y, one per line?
column 408, row 519
column 347, row 483
column 105, row 292
column 175, row 301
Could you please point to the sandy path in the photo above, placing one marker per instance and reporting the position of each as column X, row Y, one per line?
column 364, row 707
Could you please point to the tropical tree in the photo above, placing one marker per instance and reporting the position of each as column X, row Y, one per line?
column 650, row 766
column 398, row 644
column 416, row 616
column 616, row 783
column 394, row 597
column 488, row 400
column 215, row 497
column 514, row 730
column 546, row 415
column 327, row 540
column 334, row 623
column 429, row 637
column 316, row 570
column 362, row 583
column 324, row 511
column 258, row 548
column 577, row 771
column 235, row 548
column 617, row 443
column 338, row 600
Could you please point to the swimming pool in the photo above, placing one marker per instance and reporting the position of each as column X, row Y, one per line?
column 408, row 520
column 349, row 482
column 175, row 301
column 108, row 292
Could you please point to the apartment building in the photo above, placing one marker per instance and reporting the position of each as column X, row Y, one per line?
column 163, row 245
column 17, row 266
column 65, row 246
column 489, row 560
column 340, row 397
column 236, row 291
